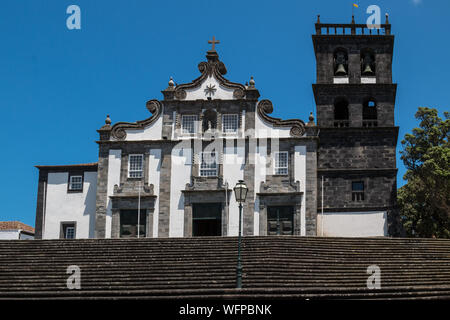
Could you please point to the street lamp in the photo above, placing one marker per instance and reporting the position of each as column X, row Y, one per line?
column 240, row 191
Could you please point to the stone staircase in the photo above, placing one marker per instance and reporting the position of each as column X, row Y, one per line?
column 197, row 268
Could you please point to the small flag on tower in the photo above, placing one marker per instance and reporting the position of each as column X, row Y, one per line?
column 355, row 5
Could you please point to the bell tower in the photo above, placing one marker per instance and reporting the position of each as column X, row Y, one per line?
column 355, row 100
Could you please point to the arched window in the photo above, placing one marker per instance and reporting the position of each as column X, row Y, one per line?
column 341, row 114
column 340, row 62
column 370, row 113
column 368, row 67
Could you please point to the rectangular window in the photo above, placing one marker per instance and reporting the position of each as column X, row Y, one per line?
column 281, row 163
column 208, row 164
column 230, row 123
column 68, row 230
column 358, row 191
column 75, row 183
column 135, row 165
column 188, row 124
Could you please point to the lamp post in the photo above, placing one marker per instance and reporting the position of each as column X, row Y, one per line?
column 240, row 191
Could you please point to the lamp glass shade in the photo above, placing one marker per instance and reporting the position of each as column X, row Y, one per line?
column 240, row 191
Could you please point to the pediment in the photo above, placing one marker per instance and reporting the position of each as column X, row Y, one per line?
column 211, row 84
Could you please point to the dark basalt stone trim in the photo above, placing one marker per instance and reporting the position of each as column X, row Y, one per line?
column 213, row 67
column 353, row 209
column 265, row 107
column 118, row 129
column 264, row 194
column 358, row 170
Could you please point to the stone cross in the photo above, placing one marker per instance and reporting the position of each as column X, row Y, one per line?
column 213, row 42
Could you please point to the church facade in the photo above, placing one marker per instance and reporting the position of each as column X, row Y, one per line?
column 172, row 174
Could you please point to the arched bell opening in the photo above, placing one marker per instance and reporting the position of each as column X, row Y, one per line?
column 340, row 62
column 370, row 113
column 341, row 112
column 368, row 65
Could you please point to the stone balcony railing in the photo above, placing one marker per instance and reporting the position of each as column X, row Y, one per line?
column 352, row 28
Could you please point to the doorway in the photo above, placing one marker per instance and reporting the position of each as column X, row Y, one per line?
column 206, row 219
column 280, row 220
column 129, row 223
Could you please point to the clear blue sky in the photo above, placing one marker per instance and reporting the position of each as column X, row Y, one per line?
column 57, row 85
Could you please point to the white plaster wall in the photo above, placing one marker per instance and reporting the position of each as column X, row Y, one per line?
column 265, row 130
column 352, row 224
column 180, row 174
column 154, row 171
column 152, row 132
column 114, row 162
column 260, row 176
column 9, row 234
column 64, row 206
column 199, row 92
column 233, row 171
column 300, row 175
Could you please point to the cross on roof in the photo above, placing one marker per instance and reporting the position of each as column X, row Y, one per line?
column 213, row 42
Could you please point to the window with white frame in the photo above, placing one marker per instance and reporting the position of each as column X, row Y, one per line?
column 135, row 165
column 281, row 163
column 208, row 164
column 230, row 123
column 70, row 233
column 76, row 183
column 68, row 230
column 189, row 123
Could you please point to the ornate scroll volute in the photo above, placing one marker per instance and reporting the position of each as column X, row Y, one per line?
column 118, row 130
column 265, row 107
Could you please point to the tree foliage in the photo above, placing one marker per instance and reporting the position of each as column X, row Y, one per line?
column 425, row 200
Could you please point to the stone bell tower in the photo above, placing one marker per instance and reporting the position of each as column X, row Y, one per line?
column 355, row 100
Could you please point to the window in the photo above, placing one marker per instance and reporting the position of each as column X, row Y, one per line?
column 135, row 165
column 208, row 164
column 281, row 163
column 75, row 183
column 358, row 191
column 230, row 123
column 189, row 123
column 68, row 230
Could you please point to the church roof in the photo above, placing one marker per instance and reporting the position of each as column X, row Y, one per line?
column 273, row 267
column 91, row 165
column 15, row 225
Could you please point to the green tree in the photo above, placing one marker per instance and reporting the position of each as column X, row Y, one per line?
column 425, row 200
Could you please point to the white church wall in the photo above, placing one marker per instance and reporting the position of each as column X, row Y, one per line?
column 261, row 159
column 9, row 234
column 233, row 171
column 352, row 224
column 265, row 130
column 180, row 174
column 154, row 171
column 114, row 162
column 63, row 206
column 152, row 132
column 300, row 175
column 221, row 92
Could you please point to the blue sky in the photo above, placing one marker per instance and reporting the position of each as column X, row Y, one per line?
column 57, row 85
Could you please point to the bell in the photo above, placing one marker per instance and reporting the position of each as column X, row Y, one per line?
column 340, row 71
column 368, row 69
